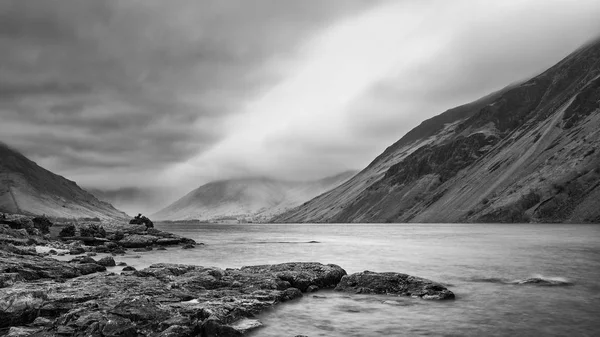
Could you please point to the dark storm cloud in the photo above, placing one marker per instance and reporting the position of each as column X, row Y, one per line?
column 138, row 85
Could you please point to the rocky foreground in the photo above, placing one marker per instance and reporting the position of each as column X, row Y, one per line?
column 42, row 296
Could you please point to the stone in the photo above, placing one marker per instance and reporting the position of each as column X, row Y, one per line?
column 393, row 284
column 176, row 331
column 21, row 331
column 302, row 275
column 188, row 246
column 76, row 250
column 138, row 241
column 42, row 321
column 129, row 268
column 107, row 261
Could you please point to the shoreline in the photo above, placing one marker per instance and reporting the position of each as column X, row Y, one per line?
column 45, row 296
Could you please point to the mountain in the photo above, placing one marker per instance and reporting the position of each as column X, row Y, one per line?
column 254, row 199
column 27, row 188
column 528, row 153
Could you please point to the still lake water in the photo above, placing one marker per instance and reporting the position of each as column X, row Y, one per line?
column 476, row 262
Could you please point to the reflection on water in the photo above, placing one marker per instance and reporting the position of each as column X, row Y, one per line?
column 481, row 264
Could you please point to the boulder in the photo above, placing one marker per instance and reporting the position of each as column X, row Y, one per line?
column 302, row 275
column 138, row 241
column 393, row 284
column 107, row 261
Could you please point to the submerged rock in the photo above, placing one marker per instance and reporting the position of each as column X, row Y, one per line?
column 393, row 284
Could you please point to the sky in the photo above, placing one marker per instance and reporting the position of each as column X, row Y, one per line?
column 169, row 95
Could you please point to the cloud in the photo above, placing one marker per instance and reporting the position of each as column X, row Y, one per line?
column 129, row 88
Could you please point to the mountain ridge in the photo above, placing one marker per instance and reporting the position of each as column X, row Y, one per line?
column 27, row 188
column 251, row 198
column 501, row 153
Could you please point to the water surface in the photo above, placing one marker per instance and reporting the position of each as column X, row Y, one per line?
column 477, row 262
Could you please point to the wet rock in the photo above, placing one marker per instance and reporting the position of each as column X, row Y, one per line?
column 121, row 264
column 42, row 321
column 107, row 261
column 312, row 289
column 188, row 246
column 83, row 259
column 19, row 307
column 168, row 241
column 303, row 275
column 393, row 284
column 21, row 331
column 30, row 267
column 76, row 250
column 176, row 331
column 89, row 268
column 129, row 268
column 138, row 241
column 544, row 282
column 91, row 254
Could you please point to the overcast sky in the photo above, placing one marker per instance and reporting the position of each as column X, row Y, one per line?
column 119, row 93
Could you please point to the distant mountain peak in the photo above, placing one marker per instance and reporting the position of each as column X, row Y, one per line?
column 252, row 198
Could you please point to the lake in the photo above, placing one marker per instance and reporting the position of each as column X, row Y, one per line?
column 479, row 263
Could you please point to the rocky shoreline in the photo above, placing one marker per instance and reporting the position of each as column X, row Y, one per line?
column 42, row 296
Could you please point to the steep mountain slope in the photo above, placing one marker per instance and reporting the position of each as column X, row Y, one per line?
column 256, row 199
column 27, row 188
column 527, row 153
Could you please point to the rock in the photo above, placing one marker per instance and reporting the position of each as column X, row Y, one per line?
column 302, row 275
column 89, row 268
column 544, row 282
column 312, row 289
column 168, row 241
column 161, row 300
column 188, row 246
column 76, row 250
column 141, row 220
column 245, row 325
column 52, row 252
column 83, row 259
column 107, row 261
column 21, row 331
column 161, row 248
column 176, row 331
column 176, row 320
column 41, row 321
column 128, row 268
column 110, row 245
column 18, row 307
column 30, row 267
column 121, row 264
column 91, row 254
column 138, row 241
column 393, row 284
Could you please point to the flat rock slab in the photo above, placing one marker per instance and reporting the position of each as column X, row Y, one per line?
column 164, row 299
column 393, row 284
